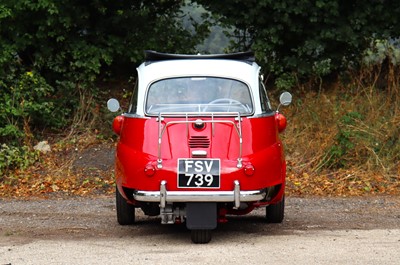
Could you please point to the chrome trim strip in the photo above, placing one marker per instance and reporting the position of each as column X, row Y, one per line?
column 199, row 153
column 134, row 115
column 198, row 114
column 263, row 115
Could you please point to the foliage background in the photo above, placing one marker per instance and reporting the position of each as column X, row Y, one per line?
column 60, row 60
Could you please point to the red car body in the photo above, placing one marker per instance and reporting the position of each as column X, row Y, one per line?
column 197, row 162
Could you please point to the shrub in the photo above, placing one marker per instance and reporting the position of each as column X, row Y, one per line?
column 12, row 157
column 25, row 102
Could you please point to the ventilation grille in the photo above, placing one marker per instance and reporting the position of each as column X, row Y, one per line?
column 199, row 142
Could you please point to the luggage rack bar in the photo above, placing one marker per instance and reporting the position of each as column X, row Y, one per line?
column 187, row 115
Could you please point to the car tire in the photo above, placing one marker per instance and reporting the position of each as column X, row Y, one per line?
column 275, row 212
column 125, row 211
column 201, row 236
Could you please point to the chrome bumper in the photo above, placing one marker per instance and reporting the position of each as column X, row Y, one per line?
column 163, row 196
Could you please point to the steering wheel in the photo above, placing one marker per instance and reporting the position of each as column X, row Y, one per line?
column 226, row 101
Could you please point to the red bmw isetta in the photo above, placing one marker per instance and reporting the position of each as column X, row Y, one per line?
column 199, row 141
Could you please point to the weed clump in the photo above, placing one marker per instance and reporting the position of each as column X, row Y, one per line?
column 346, row 139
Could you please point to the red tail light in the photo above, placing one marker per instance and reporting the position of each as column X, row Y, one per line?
column 117, row 124
column 281, row 122
column 249, row 169
column 149, row 170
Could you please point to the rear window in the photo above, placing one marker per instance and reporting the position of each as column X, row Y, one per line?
column 198, row 94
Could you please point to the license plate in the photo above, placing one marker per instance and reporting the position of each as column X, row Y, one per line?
column 198, row 173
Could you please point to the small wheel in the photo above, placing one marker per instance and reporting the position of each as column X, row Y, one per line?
column 276, row 212
column 125, row 211
column 201, row 236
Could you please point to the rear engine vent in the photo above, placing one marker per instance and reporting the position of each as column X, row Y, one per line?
column 199, row 142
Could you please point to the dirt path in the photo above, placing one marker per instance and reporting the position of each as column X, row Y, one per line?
column 315, row 230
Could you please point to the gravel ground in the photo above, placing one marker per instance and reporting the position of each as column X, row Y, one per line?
column 362, row 230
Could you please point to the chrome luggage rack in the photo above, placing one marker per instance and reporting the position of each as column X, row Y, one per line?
column 213, row 121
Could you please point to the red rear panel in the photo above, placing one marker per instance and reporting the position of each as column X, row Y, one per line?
column 138, row 147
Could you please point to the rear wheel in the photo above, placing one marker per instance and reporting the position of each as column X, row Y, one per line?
column 276, row 212
column 125, row 211
column 201, row 236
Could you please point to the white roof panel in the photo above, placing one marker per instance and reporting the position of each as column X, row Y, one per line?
column 245, row 71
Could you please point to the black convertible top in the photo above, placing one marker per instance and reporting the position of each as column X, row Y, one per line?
column 153, row 56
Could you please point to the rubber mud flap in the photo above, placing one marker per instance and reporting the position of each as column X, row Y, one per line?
column 201, row 215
